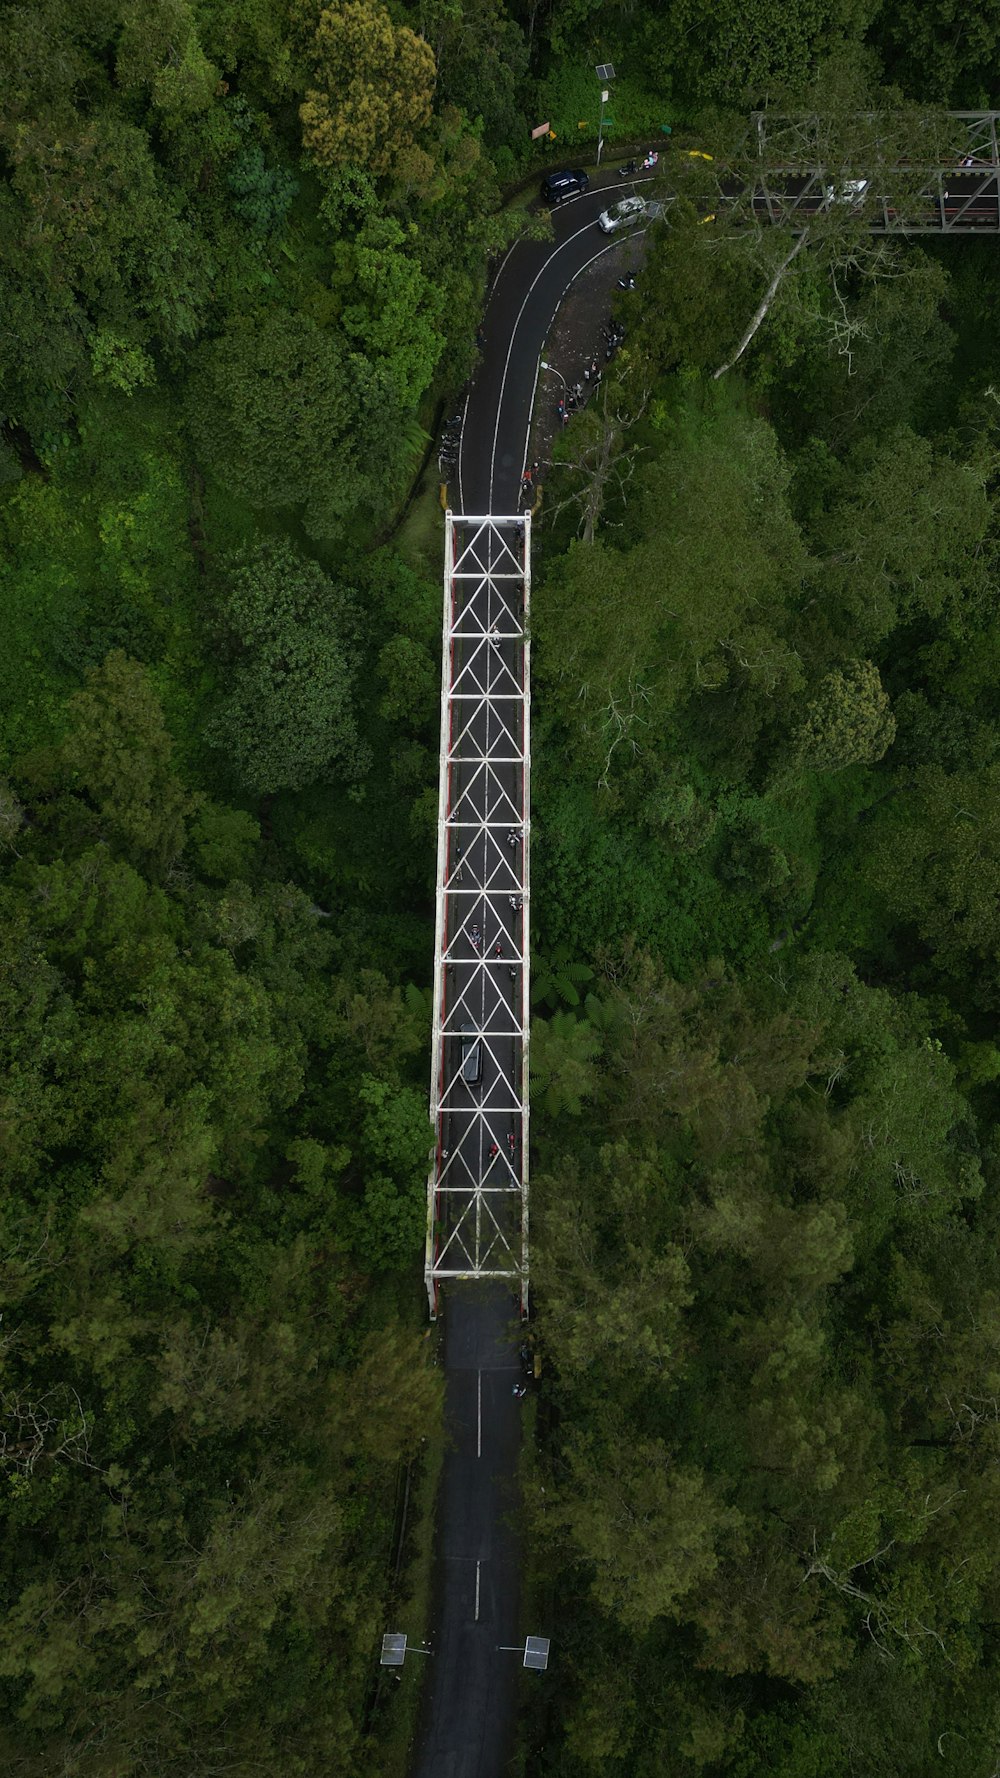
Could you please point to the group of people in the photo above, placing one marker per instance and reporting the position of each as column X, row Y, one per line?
column 576, row 393
column 514, row 902
column 520, row 1390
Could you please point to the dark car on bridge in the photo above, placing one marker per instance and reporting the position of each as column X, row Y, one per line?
column 566, row 184
column 472, row 1056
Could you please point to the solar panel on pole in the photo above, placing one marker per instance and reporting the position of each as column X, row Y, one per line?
column 536, row 1653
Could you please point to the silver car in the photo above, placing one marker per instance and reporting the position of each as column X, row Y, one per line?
column 625, row 211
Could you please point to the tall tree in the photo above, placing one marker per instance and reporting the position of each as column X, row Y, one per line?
column 374, row 84
column 288, row 713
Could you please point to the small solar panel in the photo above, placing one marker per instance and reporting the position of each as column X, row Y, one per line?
column 604, row 71
column 536, row 1653
column 393, row 1649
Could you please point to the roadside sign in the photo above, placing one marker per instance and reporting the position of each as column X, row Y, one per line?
column 542, row 130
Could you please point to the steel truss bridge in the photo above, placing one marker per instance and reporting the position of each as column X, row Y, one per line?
column 477, row 1189
column 903, row 173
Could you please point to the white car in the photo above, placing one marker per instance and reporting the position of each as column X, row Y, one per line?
column 626, row 210
column 852, row 193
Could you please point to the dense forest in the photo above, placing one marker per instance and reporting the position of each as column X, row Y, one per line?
column 244, row 247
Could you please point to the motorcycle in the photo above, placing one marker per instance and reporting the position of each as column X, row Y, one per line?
column 628, row 170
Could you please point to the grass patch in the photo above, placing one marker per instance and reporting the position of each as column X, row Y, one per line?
column 570, row 99
column 419, row 538
column 396, row 1713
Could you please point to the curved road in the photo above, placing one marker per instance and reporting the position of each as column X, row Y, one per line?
column 523, row 303
column 533, row 280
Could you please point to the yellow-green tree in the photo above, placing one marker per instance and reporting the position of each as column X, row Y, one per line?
column 849, row 721
column 375, row 81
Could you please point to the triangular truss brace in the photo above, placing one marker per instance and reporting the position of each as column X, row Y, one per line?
column 809, row 163
column 477, row 1189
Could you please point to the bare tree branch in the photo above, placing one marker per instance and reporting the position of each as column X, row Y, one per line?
column 760, row 314
column 602, row 463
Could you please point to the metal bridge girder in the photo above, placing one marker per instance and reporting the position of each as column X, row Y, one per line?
column 803, row 162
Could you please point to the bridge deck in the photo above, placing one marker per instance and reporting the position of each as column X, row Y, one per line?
column 809, row 163
column 477, row 1189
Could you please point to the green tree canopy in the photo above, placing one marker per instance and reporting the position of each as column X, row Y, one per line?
column 288, row 714
column 375, row 81
column 848, row 722
column 285, row 415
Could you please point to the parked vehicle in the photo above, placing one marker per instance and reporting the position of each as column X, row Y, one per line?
column 472, row 1056
column 568, row 183
column 851, row 193
column 619, row 215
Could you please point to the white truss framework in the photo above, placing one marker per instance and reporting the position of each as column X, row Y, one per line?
column 477, row 1188
column 806, row 161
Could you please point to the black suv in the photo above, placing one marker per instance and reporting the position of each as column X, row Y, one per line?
column 557, row 186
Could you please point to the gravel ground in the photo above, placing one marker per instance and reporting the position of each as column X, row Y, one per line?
column 575, row 339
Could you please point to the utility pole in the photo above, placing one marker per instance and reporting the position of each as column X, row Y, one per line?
column 604, row 72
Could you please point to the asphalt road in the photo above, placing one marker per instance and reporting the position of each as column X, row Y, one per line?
column 470, row 1690
column 522, row 305
column 470, row 1687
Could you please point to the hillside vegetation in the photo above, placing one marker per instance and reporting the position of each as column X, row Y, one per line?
column 244, row 247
